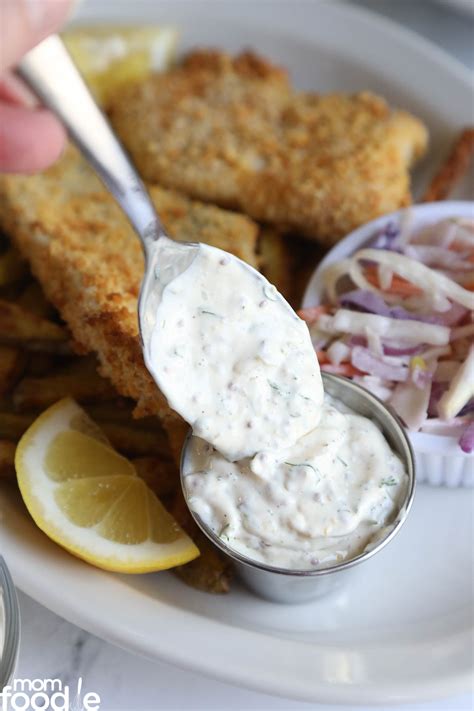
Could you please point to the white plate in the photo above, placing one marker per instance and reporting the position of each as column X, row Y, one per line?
column 405, row 632
column 464, row 6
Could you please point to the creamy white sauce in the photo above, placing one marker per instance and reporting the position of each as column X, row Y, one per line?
column 279, row 472
column 233, row 359
column 321, row 501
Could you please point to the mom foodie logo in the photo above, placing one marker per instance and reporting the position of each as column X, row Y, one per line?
column 47, row 695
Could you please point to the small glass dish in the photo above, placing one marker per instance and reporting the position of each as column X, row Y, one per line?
column 9, row 626
column 295, row 586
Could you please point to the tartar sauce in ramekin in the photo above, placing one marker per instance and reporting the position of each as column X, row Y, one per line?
column 314, row 504
column 279, row 472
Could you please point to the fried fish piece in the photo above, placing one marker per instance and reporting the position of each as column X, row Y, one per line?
column 90, row 264
column 18, row 326
column 233, row 131
column 212, row 571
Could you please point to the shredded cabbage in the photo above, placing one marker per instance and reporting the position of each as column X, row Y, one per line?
column 345, row 321
column 436, row 285
column 460, row 390
column 399, row 323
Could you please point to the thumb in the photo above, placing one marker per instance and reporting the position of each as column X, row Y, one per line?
column 24, row 23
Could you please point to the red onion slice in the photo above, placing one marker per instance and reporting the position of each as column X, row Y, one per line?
column 466, row 440
column 367, row 362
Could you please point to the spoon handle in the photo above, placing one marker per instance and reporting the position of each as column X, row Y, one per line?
column 50, row 72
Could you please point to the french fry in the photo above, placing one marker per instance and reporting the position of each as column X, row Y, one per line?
column 7, row 460
column 12, row 362
column 33, row 300
column 159, row 473
column 39, row 364
column 211, row 572
column 276, row 259
column 453, row 168
column 13, row 267
column 133, row 442
column 81, row 367
column 40, row 393
column 12, row 425
column 136, row 442
column 120, row 411
column 21, row 327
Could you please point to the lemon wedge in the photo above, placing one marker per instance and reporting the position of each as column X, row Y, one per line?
column 88, row 498
column 109, row 56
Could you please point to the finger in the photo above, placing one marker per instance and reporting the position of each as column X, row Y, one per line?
column 24, row 23
column 30, row 141
column 14, row 91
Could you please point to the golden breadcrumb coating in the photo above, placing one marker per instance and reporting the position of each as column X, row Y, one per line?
column 90, row 264
column 232, row 131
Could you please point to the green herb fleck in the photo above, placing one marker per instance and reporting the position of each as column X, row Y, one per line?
column 391, row 481
column 209, row 313
column 342, row 461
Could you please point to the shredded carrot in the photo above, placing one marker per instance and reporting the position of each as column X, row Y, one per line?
column 457, row 246
column 311, row 314
column 399, row 286
column 346, row 369
column 322, row 357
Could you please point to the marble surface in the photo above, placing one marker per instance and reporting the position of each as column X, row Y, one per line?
column 53, row 648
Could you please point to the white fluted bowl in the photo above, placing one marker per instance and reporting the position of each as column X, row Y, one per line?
column 439, row 459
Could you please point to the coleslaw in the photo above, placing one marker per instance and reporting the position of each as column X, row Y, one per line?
column 398, row 319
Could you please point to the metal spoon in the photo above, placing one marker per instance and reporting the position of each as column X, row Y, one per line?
column 50, row 72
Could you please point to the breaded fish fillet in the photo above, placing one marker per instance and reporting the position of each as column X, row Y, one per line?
column 90, row 264
column 234, row 132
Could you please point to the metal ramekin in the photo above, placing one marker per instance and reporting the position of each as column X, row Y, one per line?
column 293, row 586
column 11, row 634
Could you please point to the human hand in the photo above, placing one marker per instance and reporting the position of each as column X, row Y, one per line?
column 30, row 137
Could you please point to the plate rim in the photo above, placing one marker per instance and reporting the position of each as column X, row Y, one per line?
column 259, row 679
column 416, row 691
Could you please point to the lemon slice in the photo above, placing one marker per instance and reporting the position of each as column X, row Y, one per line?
column 88, row 498
column 109, row 56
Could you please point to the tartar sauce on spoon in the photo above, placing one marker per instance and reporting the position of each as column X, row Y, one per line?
column 233, row 358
